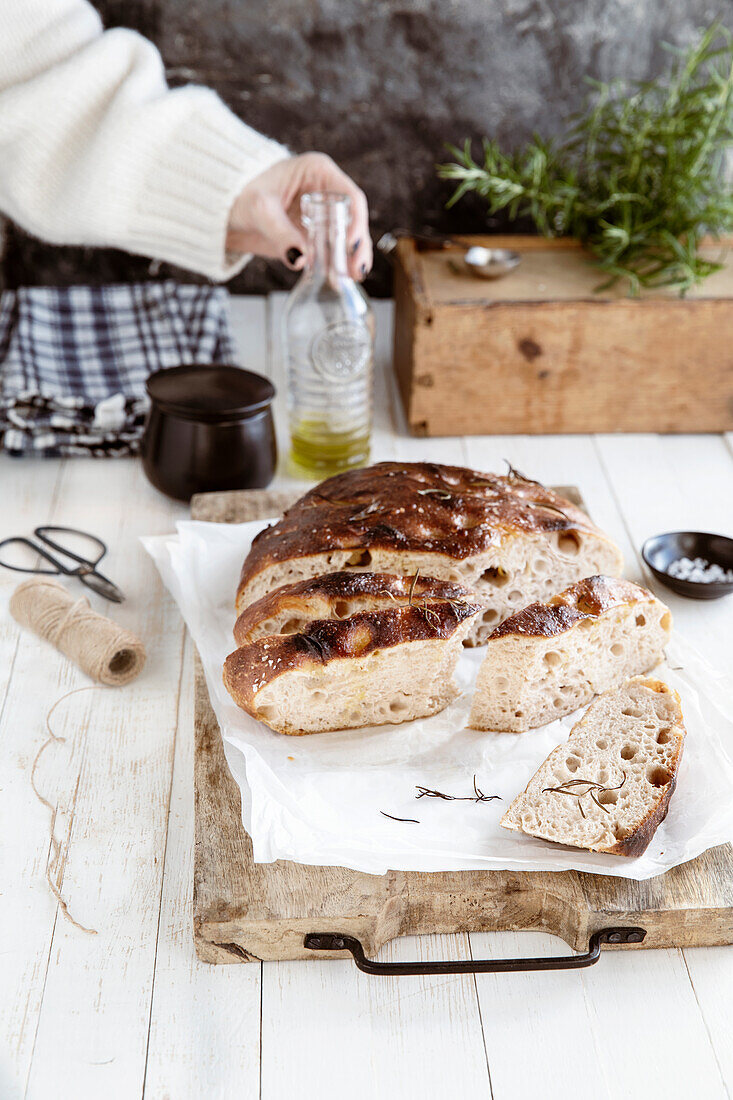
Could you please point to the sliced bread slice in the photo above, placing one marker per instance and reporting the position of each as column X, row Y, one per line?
column 289, row 609
column 608, row 787
column 551, row 658
column 385, row 665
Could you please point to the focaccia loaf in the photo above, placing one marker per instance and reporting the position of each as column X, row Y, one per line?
column 550, row 658
column 608, row 787
column 507, row 538
column 383, row 664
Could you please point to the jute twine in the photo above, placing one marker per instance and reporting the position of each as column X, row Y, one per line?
column 54, row 864
column 105, row 651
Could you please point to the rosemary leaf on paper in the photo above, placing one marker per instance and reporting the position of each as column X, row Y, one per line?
column 639, row 177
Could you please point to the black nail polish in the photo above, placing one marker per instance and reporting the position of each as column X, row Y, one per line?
column 355, row 246
column 293, row 255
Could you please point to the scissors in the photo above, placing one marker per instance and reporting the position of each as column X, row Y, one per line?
column 86, row 570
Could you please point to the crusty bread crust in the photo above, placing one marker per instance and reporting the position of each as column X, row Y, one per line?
column 586, row 599
column 637, row 842
column 444, row 514
column 324, row 596
column 254, row 666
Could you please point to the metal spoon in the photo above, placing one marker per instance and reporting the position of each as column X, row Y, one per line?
column 490, row 263
column 483, row 263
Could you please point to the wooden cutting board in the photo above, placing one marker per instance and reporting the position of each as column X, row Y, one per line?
column 245, row 911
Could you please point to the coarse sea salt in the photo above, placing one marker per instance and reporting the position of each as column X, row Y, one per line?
column 699, row 569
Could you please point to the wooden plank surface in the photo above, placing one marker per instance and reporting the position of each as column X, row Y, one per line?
column 646, row 1025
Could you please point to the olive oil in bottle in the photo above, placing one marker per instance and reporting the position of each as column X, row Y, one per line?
column 328, row 341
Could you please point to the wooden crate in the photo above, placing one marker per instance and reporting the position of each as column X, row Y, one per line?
column 538, row 351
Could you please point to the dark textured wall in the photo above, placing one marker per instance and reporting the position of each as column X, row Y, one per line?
column 381, row 85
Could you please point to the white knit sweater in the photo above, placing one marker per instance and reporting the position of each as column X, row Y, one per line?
column 95, row 150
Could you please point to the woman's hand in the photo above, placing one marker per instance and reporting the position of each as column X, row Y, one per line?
column 265, row 218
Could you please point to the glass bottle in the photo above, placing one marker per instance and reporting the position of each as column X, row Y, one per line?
column 328, row 342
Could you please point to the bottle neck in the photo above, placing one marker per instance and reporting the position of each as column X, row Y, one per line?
column 326, row 247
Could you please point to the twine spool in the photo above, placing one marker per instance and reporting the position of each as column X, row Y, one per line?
column 105, row 651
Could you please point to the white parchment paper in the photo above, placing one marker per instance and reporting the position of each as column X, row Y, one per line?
column 317, row 799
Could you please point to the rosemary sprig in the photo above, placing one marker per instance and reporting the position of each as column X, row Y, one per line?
column 591, row 787
column 545, row 506
column 477, row 796
column 411, row 820
column 439, row 494
column 516, row 475
column 430, row 614
column 639, row 177
column 367, row 510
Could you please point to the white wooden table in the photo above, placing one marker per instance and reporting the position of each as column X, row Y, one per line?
column 131, row 1012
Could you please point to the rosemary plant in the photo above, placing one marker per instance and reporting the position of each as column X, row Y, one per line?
column 639, row 178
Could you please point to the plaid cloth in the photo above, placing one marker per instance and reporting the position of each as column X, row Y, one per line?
column 74, row 360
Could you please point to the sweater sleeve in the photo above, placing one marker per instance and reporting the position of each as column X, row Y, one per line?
column 96, row 150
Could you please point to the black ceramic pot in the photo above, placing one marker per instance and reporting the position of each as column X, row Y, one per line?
column 208, row 428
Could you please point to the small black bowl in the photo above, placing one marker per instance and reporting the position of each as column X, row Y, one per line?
column 209, row 427
column 661, row 550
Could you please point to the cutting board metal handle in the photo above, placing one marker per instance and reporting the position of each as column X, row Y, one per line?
column 330, row 941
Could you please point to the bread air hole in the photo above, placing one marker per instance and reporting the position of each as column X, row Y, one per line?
column 265, row 711
column 501, row 683
column 398, row 706
column 572, row 763
column 628, row 752
column 666, row 620
column 663, row 737
column 640, row 620
column 515, row 596
column 617, row 649
column 540, row 565
column 552, row 659
column 602, row 743
column 292, row 626
column 607, row 798
column 497, row 577
column 359, row 557
column 620, row 832
column 658, row 776
column 632, row 712
column 569, row 543
column 490, row 617
column 342, row 609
